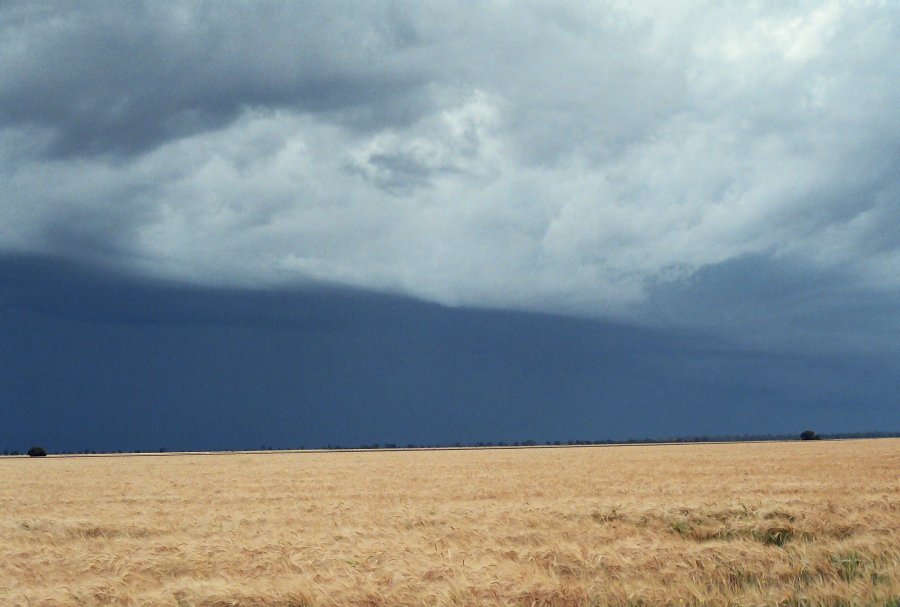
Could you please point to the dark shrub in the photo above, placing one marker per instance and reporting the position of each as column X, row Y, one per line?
column 809, row 435
column 37, row 452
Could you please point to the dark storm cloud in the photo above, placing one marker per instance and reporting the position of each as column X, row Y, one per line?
column 781, row 305
column 96, row 360
column 58, row 289
column 126, row 77
column 598, row 159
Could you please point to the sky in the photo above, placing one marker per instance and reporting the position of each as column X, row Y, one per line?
column 231, row 224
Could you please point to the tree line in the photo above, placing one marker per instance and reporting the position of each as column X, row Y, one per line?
column 37, row 451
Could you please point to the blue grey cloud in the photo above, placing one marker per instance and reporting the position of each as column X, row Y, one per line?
column 98, row 360
column 123, row 79
column 614, row 159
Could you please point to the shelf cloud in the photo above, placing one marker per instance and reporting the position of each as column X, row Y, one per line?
column 614, row 159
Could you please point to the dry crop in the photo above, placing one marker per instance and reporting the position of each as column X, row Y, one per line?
column 812, row 523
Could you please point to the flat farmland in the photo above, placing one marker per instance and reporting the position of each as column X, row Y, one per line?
column 812, row 523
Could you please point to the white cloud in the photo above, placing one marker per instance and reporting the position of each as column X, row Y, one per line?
column 453, row 142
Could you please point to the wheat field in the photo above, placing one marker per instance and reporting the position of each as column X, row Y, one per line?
column 811, row 523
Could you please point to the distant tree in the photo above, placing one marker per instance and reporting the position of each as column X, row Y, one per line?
column 37, row 452
column 809, row 435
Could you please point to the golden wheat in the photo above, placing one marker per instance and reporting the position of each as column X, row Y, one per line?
column 813, row 523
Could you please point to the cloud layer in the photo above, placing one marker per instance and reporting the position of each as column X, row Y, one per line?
column 577, row 159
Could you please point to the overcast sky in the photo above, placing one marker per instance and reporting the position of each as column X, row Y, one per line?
column 556, row 157
column 731, row 168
